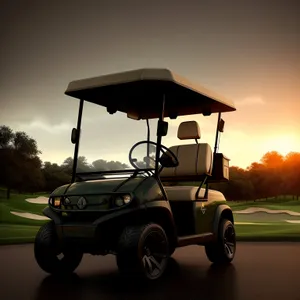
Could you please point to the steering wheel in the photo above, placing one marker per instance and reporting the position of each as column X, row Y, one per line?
column 163, row 149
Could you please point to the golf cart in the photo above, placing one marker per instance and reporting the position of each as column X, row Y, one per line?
column 141, row 214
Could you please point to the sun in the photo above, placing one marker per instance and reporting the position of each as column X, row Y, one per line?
column 283, row 144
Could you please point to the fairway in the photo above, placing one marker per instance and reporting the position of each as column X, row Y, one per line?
column 15, row 229
column 282, row 203
column 267, row 226
column 255, row 226
column 17, row 203
column 17, row 234
column 269, row 232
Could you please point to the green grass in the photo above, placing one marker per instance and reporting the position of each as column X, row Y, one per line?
column 15, row 229
column 270, row 232
column 17, row 234
column 281, row 203
column 17, row 203
column 275, row 227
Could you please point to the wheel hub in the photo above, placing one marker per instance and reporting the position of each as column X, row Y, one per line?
column 147, row 251
column 154, row 255
column 229, row 241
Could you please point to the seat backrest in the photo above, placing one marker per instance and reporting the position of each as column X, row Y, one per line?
column 194, row 159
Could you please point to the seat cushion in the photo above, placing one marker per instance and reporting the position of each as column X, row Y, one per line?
column 194, row 160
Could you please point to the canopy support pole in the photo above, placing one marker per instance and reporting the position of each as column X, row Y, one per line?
column 159, row 137
column 217, row 133
column 75, row 159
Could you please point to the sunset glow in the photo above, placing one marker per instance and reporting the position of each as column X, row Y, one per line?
column 283, row 144
column 254, row 64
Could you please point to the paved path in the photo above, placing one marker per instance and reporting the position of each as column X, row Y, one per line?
column 260, row 271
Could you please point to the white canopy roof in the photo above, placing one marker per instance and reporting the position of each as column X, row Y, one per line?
column 139, row 93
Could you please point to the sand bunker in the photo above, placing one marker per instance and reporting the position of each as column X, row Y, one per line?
column 38, row 200
column 29, row 216
column 252, row 210
column 293, row 221
column 250, row 223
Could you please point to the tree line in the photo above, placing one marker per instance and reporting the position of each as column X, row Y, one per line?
column 23, row 171
column 275, row 175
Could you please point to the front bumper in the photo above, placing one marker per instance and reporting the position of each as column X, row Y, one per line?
column 80, row 231
column 97, row 233
column 83, row 237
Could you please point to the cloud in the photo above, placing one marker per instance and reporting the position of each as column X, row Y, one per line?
column 249, row 101
column 46, row 127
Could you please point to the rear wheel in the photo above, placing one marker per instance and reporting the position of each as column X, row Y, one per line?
column 50, row 256
column 223, row 250
column 143, row 250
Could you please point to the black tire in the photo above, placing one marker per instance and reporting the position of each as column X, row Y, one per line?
column 143, row 251
column 47, row 249
column 223, row 250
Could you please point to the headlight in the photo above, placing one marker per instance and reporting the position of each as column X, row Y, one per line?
column 56, row 202
column 122, row 200
column 126, row 199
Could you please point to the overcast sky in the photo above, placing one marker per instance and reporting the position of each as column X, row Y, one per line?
column 247, row 51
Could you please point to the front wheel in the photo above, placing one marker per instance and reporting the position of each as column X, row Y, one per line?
column 143, row 250
column 223, row 250
column 49, row 254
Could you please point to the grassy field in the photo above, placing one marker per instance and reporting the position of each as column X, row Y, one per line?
column 17, row 234
column 15, row 229
column 258, row 226
column 262, row 226
column 17, row 203
column 286, row 203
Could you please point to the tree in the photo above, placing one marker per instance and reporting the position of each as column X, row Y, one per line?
column 97, row 165
column 272, row 160
column 257, row 175
column 237, row 173
column 239, row 186
column 239, row 189
column 20, row 164
column 25, row 145
column 103, row 165
column 291, row 173
column 33, row 182
column 82, row 165
column 54, row 176
column 6, row 137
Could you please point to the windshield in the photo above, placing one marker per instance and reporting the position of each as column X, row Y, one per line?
column 106, row 141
